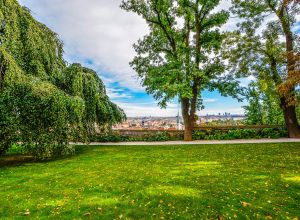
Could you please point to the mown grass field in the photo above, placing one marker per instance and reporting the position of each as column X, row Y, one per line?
column 254, row 181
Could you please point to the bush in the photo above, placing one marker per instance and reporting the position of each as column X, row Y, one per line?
column 274, row 133
column 35, row 113
column 116, row 137
column 110, row 137
column 239, row 134
column 16, row 149
column 46, row 151
column 164, row 136
column 197, row 135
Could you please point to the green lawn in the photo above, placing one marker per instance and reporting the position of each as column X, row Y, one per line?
column 251, row 181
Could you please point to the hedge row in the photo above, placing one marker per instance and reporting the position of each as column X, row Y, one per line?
column 197, row 135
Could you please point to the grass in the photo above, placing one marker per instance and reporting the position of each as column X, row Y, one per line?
column 257, row 181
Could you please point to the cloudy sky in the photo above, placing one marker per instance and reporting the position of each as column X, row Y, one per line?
column 98, row 34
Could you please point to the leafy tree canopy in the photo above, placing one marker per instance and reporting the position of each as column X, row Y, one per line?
column 272, row 56
column 284, row 11
column 44, row 102
column 180, row 55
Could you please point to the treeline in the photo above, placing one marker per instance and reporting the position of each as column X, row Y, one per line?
column 45, row 102
column 186, row 52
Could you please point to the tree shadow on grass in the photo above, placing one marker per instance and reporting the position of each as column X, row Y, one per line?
column 17, row 159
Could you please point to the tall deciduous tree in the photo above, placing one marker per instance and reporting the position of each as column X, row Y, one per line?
column 179, row 57
column 285, row 11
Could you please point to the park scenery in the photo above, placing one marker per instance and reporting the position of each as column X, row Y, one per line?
column 150, row 109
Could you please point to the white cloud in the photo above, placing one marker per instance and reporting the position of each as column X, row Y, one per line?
column 209, row 100
column 151, row 109
column 146, row 109
column 244, row 82
column 97, row 30
column 118, row 94
column 231, row 23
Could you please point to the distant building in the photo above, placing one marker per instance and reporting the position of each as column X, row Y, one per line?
column 171, row 123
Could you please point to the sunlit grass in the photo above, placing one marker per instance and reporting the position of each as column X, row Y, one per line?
column 145, row 182
column 292, row 179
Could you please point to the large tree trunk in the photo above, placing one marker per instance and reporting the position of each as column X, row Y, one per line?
column 290, row 118
column 188, row 120
column 189, row 106
column 289, row 109
column 188, row 131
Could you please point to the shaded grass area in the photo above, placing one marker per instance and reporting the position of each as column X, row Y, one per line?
column 249, row 181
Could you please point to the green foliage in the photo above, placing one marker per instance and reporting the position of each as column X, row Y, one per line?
column 163, row 136
column 151, row 137
column 174, row 60
column 40, row 114
column 247, row 181
column 43, row 102
column 253, row 111
column 36, row 49
column 261, row 56
column 164, row 62
column 110, row 137
column 16, row 149
column 257, row 10
column 197, row 135
column 298, row 114
column 258, row 55
column 84, row 83
column 264, row 106
column 240, row 134
column 271, row 56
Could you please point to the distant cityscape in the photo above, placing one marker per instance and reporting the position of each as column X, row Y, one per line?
column 176, row 123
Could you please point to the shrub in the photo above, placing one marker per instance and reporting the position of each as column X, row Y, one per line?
column 46, row 151
column 109, row 137
column 116, row 137
column 239, row 134
column 197, row 135
column 274, row 133
column 160, row 136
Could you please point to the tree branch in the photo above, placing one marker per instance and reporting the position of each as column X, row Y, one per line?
column 160, row 23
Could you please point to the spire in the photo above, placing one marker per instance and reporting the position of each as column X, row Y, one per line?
column 178, row 117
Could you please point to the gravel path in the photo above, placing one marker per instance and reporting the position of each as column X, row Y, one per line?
column 241, row 141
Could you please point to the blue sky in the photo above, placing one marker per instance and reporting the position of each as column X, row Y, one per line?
column 98, row 34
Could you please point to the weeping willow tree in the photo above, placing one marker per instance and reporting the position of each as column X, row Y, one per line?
column 83, row 82
column 44, row 102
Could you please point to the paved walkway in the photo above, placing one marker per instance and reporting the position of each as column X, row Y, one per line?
column 241, row 141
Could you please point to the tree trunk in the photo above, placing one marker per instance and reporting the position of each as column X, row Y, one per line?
column 290, row 53
column 289, row 109
column 189, row 106
column 188, row 132
column 188, row 119
column 290, row 118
